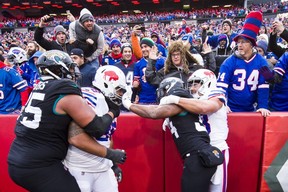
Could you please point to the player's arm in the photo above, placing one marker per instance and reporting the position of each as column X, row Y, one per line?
column 201, row 106
column 84, row 116
column 194, row 105
column 155, row 111
column 81, row 140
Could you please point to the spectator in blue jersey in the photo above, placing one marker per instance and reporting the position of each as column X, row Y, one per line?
column 13, row 94
column 239, row 74
column 279, row 95
column 87, row 70
column 115, row 55
column 226, row 29
column 32, row 63
column 18, row 59
column 146, row 91
column 159, row 43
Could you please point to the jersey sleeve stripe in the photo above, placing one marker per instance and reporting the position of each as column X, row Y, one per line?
column 279, row 70
column 20, row 85
column 263, row 86
column 220, row 84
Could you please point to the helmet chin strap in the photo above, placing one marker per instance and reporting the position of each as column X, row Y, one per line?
column 52, row 74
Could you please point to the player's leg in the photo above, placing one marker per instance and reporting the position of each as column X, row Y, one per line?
column 106, row 182
column 195, row 176
column 85, row 180
column 219, row 179
column 46, row 179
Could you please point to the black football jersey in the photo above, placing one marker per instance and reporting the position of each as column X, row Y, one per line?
column 41, row 133
column 188, row 132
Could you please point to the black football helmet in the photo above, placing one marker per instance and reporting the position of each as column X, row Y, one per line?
column 57, row 64
column 172, row 86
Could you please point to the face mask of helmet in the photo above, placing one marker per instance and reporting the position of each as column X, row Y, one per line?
column 111, row 81
column 16, row 56
column 57, row 64
column 206, row 79
column 170, row 86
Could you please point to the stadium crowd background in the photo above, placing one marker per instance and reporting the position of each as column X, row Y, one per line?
column 119, row 25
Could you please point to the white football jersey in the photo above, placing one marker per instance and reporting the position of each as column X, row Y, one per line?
column 77, row 159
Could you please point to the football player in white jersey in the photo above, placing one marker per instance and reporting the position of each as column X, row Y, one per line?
column 209, row 101
column 93, row 173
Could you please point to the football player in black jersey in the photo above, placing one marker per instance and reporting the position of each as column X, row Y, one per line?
column 189, row 134
column 36, row 154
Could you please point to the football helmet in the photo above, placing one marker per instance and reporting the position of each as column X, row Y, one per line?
column 17, row 56
column 57, row 64
column 111, row 81
column 171, row 86
column 206, row 78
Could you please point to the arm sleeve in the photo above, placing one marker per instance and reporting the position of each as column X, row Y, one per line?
column 100, row 43
column 72, row 33
column 152, row 76
column 136, row 46
column 38, row 36
column 276, row 49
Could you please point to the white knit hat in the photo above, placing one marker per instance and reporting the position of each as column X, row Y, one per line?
column 85, row 15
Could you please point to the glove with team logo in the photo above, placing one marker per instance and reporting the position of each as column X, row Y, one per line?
column 116, row 155
column 126, row 100
column 118, row 172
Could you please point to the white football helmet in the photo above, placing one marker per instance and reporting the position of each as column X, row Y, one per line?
column 110, row 80
column 17, row 56
column 206, row 78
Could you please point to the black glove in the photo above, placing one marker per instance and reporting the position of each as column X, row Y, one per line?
column 114, row 108
column 179, row 91
column 266, row 73
column 118, row 172
column 116, row 155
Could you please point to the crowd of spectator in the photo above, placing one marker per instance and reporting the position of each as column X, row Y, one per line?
column 207, row 13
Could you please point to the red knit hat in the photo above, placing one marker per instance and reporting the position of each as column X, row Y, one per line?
column 251, row 27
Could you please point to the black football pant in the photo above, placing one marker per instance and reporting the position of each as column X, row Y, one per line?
column 196, row 177
column 53, row 178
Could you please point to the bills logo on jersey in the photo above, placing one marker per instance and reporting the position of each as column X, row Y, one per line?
column 111, row 76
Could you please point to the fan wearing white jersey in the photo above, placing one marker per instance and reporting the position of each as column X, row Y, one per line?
column 93, row 173
column 209, row 101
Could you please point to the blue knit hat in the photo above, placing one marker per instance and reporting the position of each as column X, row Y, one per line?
column 188, row 37
column 251, row 27
column 115, row 42
column 263, row 45
column 222, row 37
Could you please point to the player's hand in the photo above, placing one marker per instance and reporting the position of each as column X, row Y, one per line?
column 171, row 99
column 116, row 155
column 113, row 107
column 126, row 100
column 264, row 112
column 118, row 172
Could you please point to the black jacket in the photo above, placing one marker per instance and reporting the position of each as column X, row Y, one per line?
column 49, row 45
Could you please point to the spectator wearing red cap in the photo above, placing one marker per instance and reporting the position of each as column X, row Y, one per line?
column 184, row 28
column 239, row 75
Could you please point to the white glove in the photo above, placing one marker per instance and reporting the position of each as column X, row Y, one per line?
column 126, row 100
column 171, row 99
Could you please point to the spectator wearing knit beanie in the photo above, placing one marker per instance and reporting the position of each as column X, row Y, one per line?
column 115, row 55
column 88, row 36
column 159, row 43
column 59, row 42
